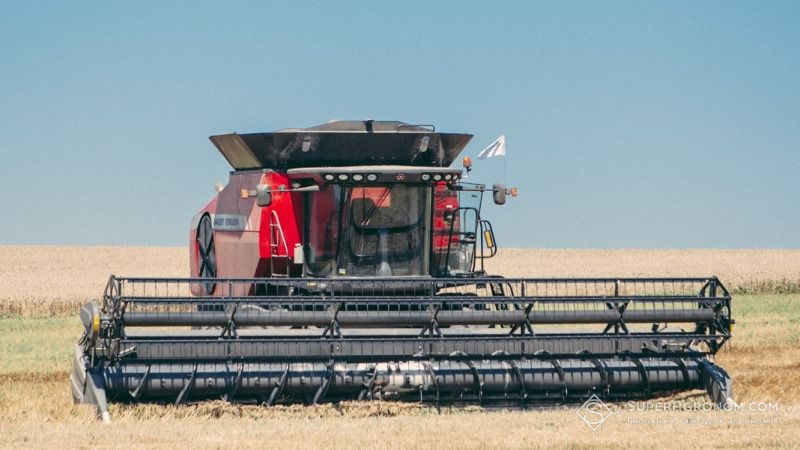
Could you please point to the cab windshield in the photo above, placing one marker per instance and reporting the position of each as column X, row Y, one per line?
column 369, row 231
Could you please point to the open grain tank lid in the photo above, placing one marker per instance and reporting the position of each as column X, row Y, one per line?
column 342, row 143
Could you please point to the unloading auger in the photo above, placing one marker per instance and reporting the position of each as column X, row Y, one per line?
column 346, row 262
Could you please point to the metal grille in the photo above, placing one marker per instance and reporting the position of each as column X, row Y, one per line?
column 616, row 305
column 287, row 340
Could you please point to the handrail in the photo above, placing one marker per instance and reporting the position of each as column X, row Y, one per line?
column 275, row 226
column 277, row 239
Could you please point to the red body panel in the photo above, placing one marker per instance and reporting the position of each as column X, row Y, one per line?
column 242, row 233
column 281, row 227
column 445, row 205
column 251, row 241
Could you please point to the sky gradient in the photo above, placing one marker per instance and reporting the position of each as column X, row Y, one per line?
column 629, row 124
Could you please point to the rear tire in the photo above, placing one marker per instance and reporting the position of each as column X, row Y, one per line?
column 206, row 255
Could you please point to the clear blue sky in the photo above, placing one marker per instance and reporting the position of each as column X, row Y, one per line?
column 629, row 124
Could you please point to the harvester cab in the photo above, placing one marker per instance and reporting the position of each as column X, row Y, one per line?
column 346, row 261
column 323, row 202
column 404, row 224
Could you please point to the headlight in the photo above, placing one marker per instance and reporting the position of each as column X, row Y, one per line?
column 448, row 176
column 329, row 177
column 358, row 177
column 372, row 177
column 343, row 177
column 437, row 177
column 425, row 177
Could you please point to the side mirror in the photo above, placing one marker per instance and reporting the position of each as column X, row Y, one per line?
column 263, row 195
column 499, row 194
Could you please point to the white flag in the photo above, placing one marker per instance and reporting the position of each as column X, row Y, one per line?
column 496, row 148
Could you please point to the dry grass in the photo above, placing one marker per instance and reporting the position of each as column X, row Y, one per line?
column 49, row 280
column 742, row 271
column 41, row 287
column 46, row 280
column 37, row 412
column 215, row 425
column 764, row 355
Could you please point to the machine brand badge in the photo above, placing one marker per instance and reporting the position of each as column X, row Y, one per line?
column 400, row 177
column 229, row 222
column 594, row 412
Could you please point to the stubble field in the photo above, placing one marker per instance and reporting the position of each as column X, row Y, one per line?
column 42, row 287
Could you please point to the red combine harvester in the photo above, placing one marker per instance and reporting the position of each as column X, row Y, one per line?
column 345, row 261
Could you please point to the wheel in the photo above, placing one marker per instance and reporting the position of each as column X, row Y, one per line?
column 206, row 254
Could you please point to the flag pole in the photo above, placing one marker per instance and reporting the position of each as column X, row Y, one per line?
column 505, row 157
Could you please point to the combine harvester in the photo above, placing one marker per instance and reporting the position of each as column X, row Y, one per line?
column 346, row 261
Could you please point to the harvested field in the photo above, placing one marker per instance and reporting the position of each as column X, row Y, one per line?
column 38, row 327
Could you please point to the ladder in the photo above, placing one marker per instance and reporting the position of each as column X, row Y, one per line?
column 278, row 248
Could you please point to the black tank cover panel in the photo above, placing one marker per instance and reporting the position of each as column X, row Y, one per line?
column 342, row 143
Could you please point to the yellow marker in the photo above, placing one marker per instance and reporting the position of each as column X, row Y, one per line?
column 96, row 324
column 487, row 236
